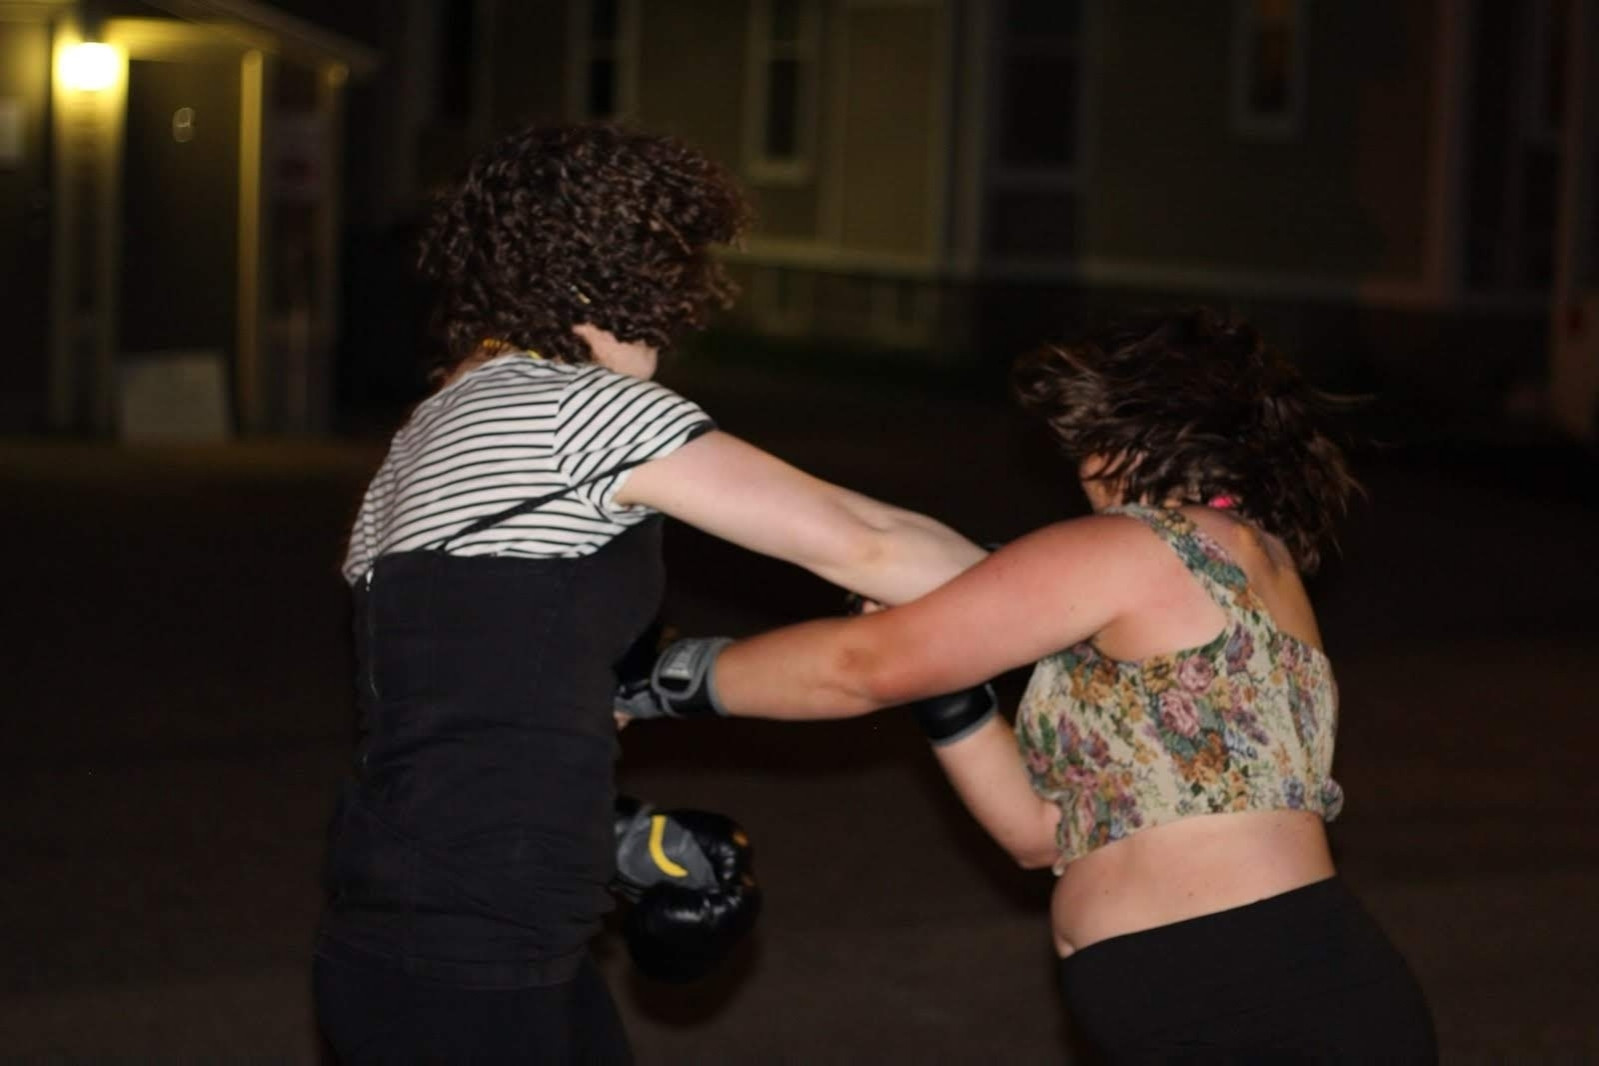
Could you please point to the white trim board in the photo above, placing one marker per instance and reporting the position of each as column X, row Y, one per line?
column 1388, row 292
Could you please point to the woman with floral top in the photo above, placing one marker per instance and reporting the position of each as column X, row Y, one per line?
column 1176, row 738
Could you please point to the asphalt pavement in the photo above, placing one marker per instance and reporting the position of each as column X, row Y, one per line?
column 178, row 712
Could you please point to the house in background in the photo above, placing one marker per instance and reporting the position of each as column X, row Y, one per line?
column 169, row 211
column 1402, row 191
column 1398, row 189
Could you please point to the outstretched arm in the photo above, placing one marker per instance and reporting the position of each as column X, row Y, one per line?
column 1037, row 595
column 1041, row 593
column 735, row 491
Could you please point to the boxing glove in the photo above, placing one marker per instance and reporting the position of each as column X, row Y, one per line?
column 689, row 874
column 678, row 683
column 655, row 847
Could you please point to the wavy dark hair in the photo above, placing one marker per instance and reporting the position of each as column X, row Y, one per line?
column 553, row 226
column 1194, row 405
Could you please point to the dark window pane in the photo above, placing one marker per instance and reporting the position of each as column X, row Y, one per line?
column 1554, row 65
column 1040, row 111
column 1540, row 202
column 785, row 21
column 1588, row 250
column 1042, row 18
column 1032, row 224
column 602, row 88
column 782, row 109
column 456, row 61
column 1270, row 84
column 603, row 19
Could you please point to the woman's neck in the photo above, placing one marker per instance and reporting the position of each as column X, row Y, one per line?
column 483, row 353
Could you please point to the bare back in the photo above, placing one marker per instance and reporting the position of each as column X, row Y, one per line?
column 1206, row 863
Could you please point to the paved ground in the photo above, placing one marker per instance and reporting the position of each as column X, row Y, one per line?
column 177, row 713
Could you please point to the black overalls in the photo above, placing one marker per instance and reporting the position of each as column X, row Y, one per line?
column 473, row 843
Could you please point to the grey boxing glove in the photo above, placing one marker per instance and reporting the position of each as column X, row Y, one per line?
column 677, row 685
column 654, row 847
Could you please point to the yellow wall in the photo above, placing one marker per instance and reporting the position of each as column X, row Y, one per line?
column 691, row 73
column 890, row 124
column 1171, row 183
column 693, row 76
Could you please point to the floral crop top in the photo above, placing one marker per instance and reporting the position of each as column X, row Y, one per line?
column 1244, row 722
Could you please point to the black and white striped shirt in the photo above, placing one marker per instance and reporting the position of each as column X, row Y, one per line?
column 515, row 429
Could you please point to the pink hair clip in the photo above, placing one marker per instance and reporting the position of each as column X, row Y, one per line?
column 1222, row 502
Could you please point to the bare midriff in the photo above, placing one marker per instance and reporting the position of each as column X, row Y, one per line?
column 1186, row 869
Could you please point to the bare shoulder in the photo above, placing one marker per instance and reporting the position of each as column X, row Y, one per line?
column 1269, row 568
column 1116, row 560
column 1047, row 590
column 1116, row 542
column 1101, row 537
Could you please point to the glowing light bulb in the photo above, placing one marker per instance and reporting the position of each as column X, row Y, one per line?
column 90, row 66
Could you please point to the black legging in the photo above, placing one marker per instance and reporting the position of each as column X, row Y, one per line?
column 377, row 1015
column 1304, row 977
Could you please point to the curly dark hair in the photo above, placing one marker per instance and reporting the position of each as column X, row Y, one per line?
column 1194, row 405
column 555, row 226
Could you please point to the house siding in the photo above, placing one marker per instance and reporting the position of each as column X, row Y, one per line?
column 529, row 64
column 692, row 72
column 889, row 126
column 24, row 226
column 1174, row 184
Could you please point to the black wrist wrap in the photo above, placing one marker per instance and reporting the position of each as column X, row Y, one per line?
column 947, row 718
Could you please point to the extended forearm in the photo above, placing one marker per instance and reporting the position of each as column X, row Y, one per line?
column 896, row 555
column 807, row 671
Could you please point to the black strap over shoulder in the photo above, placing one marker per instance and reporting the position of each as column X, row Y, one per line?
column 529, row 506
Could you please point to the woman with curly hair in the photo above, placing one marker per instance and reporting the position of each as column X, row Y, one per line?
column 505, row 557
column 1172, row 755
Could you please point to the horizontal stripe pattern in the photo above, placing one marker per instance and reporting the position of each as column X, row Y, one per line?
column 515, row 429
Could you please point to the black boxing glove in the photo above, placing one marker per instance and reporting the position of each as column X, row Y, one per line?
column 678, row 683
column 654, row 847
column 954, row 715
column 690, row 876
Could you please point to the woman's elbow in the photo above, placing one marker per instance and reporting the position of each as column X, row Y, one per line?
column 867, row 678
column 891, row 677
column 1035, row 848
column 852, row 558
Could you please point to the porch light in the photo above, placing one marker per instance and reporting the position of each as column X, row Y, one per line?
column 90, row 66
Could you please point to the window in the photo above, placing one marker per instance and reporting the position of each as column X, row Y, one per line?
column 449, row 62
column 457, row 46
column 605, row 50
column 1538, row 170
column 784, row 43
column 1040, row 45
column 1516, row 149
column 1268, row 67
column 1545, row 100
column 1032, row 197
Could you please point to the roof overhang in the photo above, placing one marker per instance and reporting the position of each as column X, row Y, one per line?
column 293, row 37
